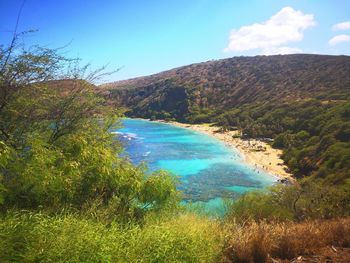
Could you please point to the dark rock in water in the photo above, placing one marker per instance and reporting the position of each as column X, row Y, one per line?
column 284, row 181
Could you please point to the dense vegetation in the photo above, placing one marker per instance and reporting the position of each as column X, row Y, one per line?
column 301, row 101
column 57, row 151
column 68, row 195
column 314, row 135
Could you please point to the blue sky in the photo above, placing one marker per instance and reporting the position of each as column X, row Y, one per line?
column 146, row 37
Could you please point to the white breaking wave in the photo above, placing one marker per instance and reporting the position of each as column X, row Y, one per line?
column 126, row 135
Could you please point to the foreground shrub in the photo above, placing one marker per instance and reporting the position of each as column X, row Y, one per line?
column 258, row 206
column 304, row 200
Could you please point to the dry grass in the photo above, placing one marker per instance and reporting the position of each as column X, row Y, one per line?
column 260, row 242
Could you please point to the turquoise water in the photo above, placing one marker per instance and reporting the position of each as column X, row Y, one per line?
column 207, row 169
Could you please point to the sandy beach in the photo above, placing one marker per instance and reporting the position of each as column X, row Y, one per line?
column 256, row 153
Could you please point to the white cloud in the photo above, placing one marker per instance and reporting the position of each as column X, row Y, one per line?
column 271, row 36
column 281, row 50
column 342, row 26
column 339, row 39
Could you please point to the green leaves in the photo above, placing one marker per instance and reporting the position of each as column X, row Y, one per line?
column 5, row 152
column 308, row 131
column 56, row 147
column 308, row 200
column 158, row 190
column 5, row 156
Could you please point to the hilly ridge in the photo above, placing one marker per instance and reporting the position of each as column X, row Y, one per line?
column 234, row 82
column 301, row 101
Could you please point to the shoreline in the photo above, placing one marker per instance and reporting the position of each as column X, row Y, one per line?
column 255, row 152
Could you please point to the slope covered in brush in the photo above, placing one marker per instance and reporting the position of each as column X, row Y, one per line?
column 302, row 101
column 233, row 82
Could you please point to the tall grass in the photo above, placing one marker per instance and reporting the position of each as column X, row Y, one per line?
column 40, row 238
column 36, row 237
column 259, row 242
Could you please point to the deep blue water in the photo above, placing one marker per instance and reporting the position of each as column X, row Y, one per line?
column 207, row 169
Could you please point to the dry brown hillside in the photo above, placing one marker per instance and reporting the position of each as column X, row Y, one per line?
column 232, row 82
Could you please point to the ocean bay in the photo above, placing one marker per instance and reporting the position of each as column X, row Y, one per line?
column 207, row 169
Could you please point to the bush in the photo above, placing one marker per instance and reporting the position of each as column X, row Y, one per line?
column 258, row 206
column 307, row 200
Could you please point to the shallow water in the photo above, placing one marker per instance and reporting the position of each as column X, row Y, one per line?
column 208, row 170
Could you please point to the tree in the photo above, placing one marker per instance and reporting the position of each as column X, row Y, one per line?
column 56, row 146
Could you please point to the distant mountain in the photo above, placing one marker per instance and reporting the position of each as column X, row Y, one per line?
column 230, row 83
